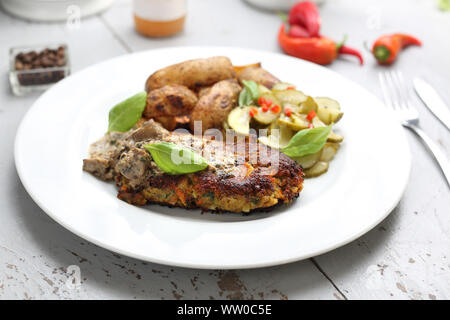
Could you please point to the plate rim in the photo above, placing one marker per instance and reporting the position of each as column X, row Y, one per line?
column 207, row 266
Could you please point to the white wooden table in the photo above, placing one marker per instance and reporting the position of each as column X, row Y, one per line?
column 406, row 257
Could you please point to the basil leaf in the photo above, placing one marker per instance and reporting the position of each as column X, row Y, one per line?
column 245, row 97
column 307, row 141
column 173, row 159
column 123, row 116
column 249, row 94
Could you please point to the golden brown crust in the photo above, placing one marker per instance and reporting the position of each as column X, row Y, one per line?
column 170, row 100
column 259, row 75
column 209, row 190
column 193, row 74
column 214, row 105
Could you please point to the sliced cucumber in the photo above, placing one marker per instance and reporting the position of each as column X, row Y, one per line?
column 294, row 97
column 281, row 86
column 239, row 120
column 329, row 110
column 296, row 121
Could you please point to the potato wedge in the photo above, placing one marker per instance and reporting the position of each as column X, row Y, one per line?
column 213, row 107
column 259, row 75
column 170, row 123
column 193, row 74
column 329, row 110
column 317, row 169
column 170, row 100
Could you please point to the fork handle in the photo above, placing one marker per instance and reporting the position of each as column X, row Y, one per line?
column 437, row 152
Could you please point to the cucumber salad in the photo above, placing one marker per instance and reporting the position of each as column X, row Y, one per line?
column 293, row 120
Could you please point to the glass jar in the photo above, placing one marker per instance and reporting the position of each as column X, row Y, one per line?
column 159, row 18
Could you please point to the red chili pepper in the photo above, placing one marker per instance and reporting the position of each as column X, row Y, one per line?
column 264, row 108
column 268, row 103
column 351, row 51
column 288, row 112
column 386, row 48
column 275, row 109
column 261, row 101
column 305, row 14
column 298, row 31
column 290, row 88
column 253, row 112
column 319, row 50
column 310, row 125
column 311, row 115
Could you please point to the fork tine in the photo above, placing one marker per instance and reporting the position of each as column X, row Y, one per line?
column 393, row 86
column 384, row 89
column 405, row 94
column 402, row 91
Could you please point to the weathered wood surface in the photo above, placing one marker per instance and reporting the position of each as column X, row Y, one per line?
column 405, row 257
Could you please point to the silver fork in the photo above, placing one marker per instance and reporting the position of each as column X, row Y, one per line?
column 396, row 95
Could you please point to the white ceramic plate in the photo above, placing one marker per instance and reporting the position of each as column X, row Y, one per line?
column 364, row 183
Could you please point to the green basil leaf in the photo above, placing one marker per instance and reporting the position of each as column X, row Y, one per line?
column 252, row 86
column 307, row 141
column 173, row 159
column 249, row 94
column 123, row 116
column 245, row 98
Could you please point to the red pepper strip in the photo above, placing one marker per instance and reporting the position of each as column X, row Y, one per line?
column 351, row 51
column 261, row 101
column 306, row 14
column 275, row 109
column 311, row 115
column 288, row 112
column 386, row 48
column 319, row 50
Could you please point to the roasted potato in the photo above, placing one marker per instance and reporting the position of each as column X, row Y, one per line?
column 170, row 100
column 169, row 122
column 259, row 75
column 193, row 74
column 214, row 106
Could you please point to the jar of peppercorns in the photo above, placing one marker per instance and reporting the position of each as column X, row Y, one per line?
column 37, row 68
